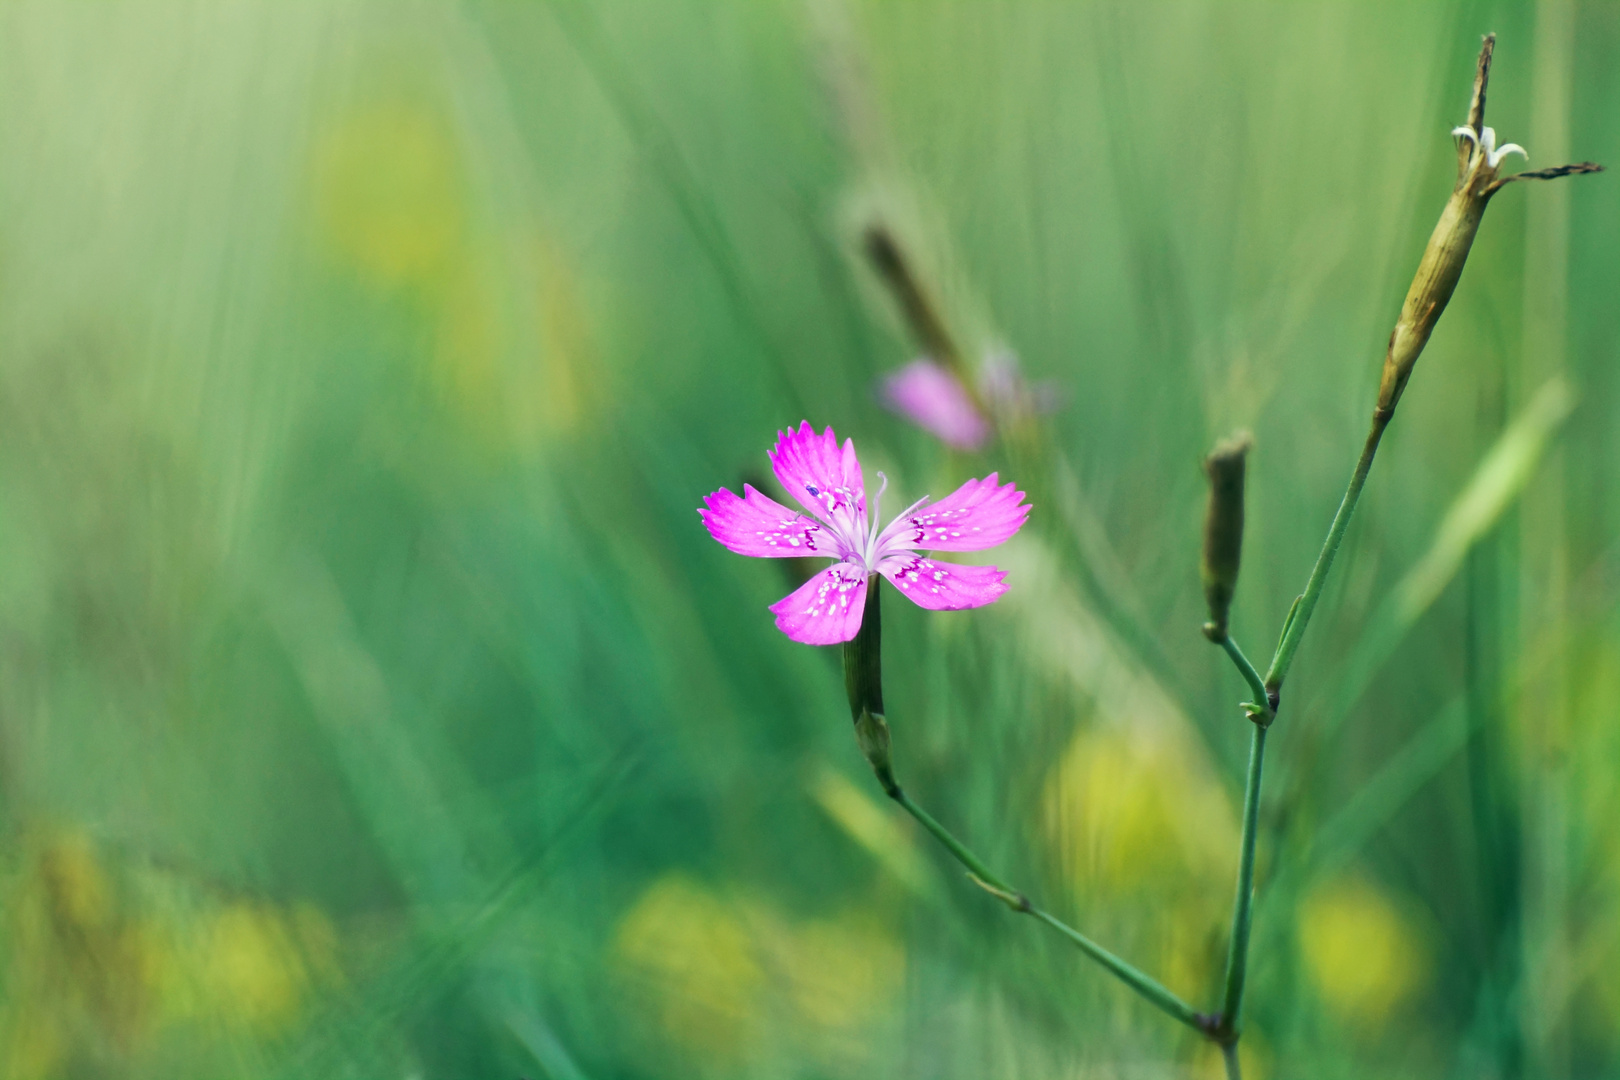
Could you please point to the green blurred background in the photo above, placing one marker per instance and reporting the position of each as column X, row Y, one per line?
column 372, row 702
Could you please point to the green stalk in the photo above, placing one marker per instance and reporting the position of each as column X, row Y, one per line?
column 1294, row 629
column 1250, row 675
column 958, row 851
column 1143, row 983
column 1237, row 957
column 1267, row 692
column 1441, row 267
column 863, row 680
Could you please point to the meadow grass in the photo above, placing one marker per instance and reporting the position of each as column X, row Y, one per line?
column 373, row 703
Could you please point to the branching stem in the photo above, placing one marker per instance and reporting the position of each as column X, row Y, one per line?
column 1294, row 630
column 1269, row 693
column 863, row 679
column 1250, row 675
column 1144, row 984
column 1229, row 1054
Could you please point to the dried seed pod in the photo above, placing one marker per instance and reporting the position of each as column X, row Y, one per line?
column 1479, row 163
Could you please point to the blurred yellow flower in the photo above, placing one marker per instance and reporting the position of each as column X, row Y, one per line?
column 250, row 967
column 843, row 973
column 110, row 960
column 731, row 980
column 80, row 895
column 1362, row 954
column 390, row 193
column 512, row 354
column 699, row 954
column 512, row 387
column 1127, row 811
column 76, row 987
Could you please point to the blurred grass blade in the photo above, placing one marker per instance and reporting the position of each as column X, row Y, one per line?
column 873, row 828
column 1498, row 480
column 1342, row 837
column 1372, row 807
column 542, row 1042
column 697, row 207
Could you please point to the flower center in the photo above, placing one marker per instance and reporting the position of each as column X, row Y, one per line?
column 869, row 554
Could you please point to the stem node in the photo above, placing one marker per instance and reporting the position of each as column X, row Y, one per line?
column 863, row 678
column 1015, row 900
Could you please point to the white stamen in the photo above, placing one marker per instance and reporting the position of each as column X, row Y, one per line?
column 1496, row 156
column 877, row 504
column 1485, row 145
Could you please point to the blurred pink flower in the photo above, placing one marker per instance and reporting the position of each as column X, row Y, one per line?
column 933, row 398
column 825, row 479
column 936, row 401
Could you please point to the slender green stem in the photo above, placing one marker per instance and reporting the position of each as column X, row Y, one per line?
column 952, row 844
column 1229, row 1055
column 863, row 679
column 1237, row 957
column 1137, row 980
column 1256, row 683
column 1294, row 629
column 1144, row 984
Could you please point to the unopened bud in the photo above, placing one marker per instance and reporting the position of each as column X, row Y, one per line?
column 1223, row 529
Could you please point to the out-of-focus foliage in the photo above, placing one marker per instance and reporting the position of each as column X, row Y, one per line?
column 372, row 702
column 1364, row 959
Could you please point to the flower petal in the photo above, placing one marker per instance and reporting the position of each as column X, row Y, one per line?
column 760, row 526
column 824, row 477
column 943, row 586
column 934, row 400
column 826, row 609
column 1503, row 151
column 976, row 515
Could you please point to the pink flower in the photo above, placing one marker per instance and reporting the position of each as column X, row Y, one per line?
column 825, row 479
column 933, row 398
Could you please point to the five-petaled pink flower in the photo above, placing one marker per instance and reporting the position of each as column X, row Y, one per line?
column 826, row 480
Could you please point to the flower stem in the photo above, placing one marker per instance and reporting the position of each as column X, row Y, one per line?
column 1237, row 957
column 1229, row 1055
column 952, row 844
column 863, row 679
column 1294, row 629
column 1250, row 675
column 1144, row 984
